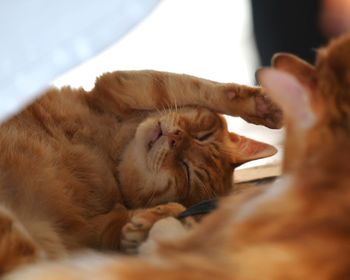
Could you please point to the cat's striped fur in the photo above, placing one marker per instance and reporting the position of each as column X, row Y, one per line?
column 299, row 228
column 76, row 166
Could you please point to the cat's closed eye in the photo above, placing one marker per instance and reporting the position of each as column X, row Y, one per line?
column 204, row 136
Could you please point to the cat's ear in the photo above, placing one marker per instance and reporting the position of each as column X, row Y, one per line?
column 304, row 72
column 247, row 149
column 291, row 63
column 290, row 94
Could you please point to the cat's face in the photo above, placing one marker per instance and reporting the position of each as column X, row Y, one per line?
column 186, row 155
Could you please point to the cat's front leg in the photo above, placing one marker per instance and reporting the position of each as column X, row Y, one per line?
column 122, row 92
column 136, row 231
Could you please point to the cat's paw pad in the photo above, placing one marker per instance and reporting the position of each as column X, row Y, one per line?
column 261, row 110
column 255, row 107
column 267, row 111
column 135, row 232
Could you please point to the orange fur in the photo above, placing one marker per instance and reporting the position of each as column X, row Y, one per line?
column 296, row 229
column 75, row 165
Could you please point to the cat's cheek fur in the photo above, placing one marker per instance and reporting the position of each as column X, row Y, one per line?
column 140, row 185
column 139, row 142
column 156, row 155
column 147, row 156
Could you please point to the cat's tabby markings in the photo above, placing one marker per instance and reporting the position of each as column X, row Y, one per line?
column 77, row 168
column 298, row 228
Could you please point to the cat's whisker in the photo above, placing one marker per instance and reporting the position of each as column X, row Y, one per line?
column 160, row 160
column 150, row 199
column 175, row 103
column 173, row 119
column 163, row 109
column 125, row 121
column 158, row 110
column 215, row 194
column 168, row 120
column 209, row 191
column 202, row 186
column 169, row 109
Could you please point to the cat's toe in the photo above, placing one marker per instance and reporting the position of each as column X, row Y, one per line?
column 135, row 232
column 264, row 112
column 132, row 237
column 255, row 107
column 268, row 111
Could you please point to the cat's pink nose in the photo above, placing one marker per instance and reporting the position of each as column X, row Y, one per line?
column 174, row 138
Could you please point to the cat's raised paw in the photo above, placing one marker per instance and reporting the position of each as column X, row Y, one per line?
column 264, row 112
column 267, row 111
column 135, row 232
column 256, row 107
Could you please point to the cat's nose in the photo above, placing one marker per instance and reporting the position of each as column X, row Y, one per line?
column 174, row 138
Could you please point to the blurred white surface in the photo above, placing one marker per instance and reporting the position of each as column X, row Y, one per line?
column 211, row 39
column 42, row 39
column 207, row 38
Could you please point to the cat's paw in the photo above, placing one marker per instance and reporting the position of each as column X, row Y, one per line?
column 268, row 112
column 257, row 108
column 167, row 230
column 135, row 232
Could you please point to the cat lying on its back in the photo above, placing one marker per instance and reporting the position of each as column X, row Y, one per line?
column 75, row 166
column 296, row 229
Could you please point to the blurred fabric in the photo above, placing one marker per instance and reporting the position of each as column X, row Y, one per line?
column 42, row 39
column 287, row 26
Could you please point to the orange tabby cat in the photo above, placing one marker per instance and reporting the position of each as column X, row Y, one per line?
column 75, row 166
column 299, row 228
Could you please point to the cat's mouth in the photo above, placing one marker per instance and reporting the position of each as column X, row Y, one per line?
column 155, row 135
